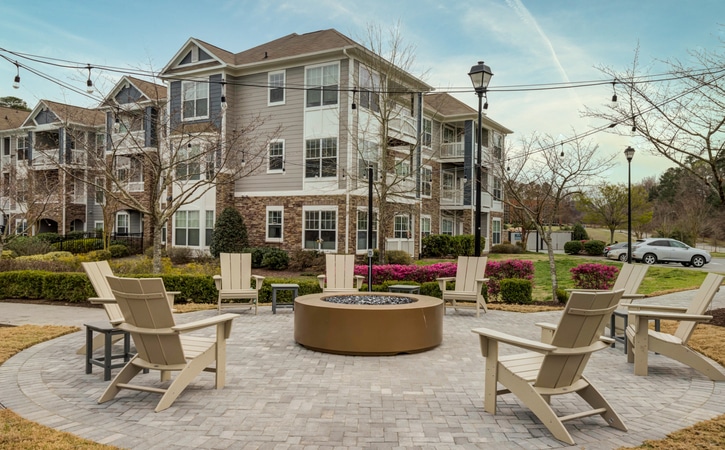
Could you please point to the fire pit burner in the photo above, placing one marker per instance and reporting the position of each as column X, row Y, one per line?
column 368, row 300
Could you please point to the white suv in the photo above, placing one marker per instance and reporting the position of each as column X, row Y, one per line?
column 654, row 250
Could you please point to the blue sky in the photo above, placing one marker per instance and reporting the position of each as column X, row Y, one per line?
column 524, row 42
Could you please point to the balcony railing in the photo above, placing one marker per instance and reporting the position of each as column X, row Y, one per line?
column 452, row 150
column 78, row 157
column 46, row 158
column 452, row 197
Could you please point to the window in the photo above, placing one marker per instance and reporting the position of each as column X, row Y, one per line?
column 122, row 224
column 427, row 132
column 497, row 189
column 362, row 230
column 22, row 148
column 194, row 100
column 402, row 168
column 402, row 227
column 322, row 85
column 276, row 156
column 426, row 181
column 129, row 172
column 275, row 80
column 496, row 231
column 447, row 226
column 129, row 122
column 320, row 229
column 100, row 145
column 188, row 166
column 497, row 145
column 99, row 183
column 98, row 226
column 321, row 158
column 424, row 226
column 209, row 228
column 369, row 88
column 275, row 219
column 21, row 226
column 6, row 146
column 368, row 151
column 449, row 135
column 186, row 229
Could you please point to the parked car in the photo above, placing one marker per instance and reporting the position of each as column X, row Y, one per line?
column 655, row 250
column 620, row 254
column 615, row 246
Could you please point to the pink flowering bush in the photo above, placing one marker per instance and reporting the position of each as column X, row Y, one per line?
column 400, row 272
column 509, row 268
column 594, row 276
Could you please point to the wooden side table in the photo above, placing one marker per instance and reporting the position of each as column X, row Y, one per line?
column 405, row 288
column 106, row 361
column 294, row 288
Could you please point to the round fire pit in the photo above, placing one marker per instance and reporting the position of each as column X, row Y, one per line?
column 377, row 324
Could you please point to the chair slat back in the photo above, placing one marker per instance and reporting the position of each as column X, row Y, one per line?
column 97, row 272
column 468, row 270
column 581, row 325
column 144, row 305
column 236, row 270
column 699, row 304
column 630, row 277
column 340, row 271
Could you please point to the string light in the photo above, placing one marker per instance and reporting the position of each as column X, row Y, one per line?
column 224, row 96
column 89, row 83
column 16, row 82
column 614, row 92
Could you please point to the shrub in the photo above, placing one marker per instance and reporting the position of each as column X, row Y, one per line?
column 229, row 234
column 561, row 295
column 8, row 254
column 50, row 238
column 594, row 247
column 180, row 255
column 50, row 256
column 397, row 257
column 118, row 251
column 99, row 255
column 303, row 260
column 462, row 245
column 573, row 247
column 437, row 246
column 149, row 252
column 26, row 245
column 399, row 272
column 594, row 276
column 510, row 268
column 275, row 259
column 78, row 245
column 578, row 233
column 516, row 290
column 507, row 248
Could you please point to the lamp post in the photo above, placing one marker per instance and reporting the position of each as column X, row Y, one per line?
column 629, row 153
column 480, row 77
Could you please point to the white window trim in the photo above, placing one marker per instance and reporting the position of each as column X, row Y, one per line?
column 284, row 148
column 98, row 225
column 201, row 228
column 376, row 231
column 409, row 227
column 128, row 221
column 493, row 231
column 337, row 223
column 284, row 85
column 266, row 221
column 429, row 168
column 430, row 225
column 208, row 103
column 309, row 86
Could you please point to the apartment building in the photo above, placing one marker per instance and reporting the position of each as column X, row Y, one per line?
column 330, row 110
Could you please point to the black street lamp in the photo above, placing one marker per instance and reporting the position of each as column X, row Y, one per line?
column 480, row 77
column 629, row 153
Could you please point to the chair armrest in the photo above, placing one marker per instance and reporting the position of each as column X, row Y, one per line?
column 633, row 296
column 442, row 282
column 258, row 279
column 218, row 282
column 670, row 316
column 101, row 301
column 661, row 308
column 547, row 331
column 358, row 281
column 321, row 280
column 514, row 340
column 546, row 325
column 204, row 323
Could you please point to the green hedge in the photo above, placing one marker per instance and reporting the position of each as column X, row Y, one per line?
column 516, row 290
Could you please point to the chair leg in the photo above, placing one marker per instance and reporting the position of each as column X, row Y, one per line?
column 595, row 399
column 192, row 369
column 124, row 376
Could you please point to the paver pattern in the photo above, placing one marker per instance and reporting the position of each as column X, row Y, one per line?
column 281, row 395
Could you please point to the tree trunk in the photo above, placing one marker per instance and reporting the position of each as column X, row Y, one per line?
column 156, row 263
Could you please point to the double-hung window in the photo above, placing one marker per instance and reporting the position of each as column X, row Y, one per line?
column 195, row 100
column 322, row 84
column 496, row 231
column 368, row 156
column 276, row 156
column 275, row 223
column 369, row 88
column 447, row 227
column 22, row 148
column 275, row 80
column 362, row 230
column 320, row 229
column 188, row 166
column 321, row 157
column 497, row 191
column 424, row 226
column 209, row 228
column 186, row 230
column 426, row 181
column 427, row 132
column 123, row 225
column 401, row 227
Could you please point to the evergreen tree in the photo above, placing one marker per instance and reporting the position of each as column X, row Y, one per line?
column 230, row 233
column 578, row 233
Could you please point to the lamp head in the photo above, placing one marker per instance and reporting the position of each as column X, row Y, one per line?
column 629, row 153
column 480, row 77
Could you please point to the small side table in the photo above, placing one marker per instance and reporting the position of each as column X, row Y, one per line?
column 623, row 338
column 107, row 360
column 294, row 288
column 405, row 288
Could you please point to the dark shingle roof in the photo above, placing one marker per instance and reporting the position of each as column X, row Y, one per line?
column 11, row 118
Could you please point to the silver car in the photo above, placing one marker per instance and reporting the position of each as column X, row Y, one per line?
column 654, row 250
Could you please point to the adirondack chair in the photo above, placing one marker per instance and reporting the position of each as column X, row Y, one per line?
column 235, row 281
column 97, row 272
column 629, row 278
column 340, row 274
column 553, row 368
column 469, row 283
column 161, row 344
column 642, row 339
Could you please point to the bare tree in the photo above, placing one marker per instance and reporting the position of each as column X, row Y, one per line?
column 607, row 205
column 537, row 179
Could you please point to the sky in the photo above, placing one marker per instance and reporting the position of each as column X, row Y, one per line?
column 524, row 42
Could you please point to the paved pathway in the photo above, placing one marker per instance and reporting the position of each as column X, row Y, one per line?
column 280, row 395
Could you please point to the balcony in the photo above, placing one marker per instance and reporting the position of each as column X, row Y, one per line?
column 452, row 150
column 452, row 197
column 45, row 159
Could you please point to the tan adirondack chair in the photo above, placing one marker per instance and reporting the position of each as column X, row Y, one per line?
column 97, row 272
column 469, row 283
column 554, row 368
column 643, row 340
column 235, row 281
column 161, row 344
column 340, row 274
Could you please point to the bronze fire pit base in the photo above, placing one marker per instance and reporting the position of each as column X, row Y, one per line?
column 368, row 329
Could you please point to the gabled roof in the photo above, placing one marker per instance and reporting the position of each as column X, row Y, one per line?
column 152, row 91
column 68, row 114
column 11, row 118
column 295, row 45
column 448, row 107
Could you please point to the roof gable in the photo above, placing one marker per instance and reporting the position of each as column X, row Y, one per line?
column 11, row 118
column 195, row 54
column 130, row 90
column 47, row 112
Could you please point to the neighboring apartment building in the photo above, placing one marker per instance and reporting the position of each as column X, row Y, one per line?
column 13, row 147
column 44, row 159
column 331, row 108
